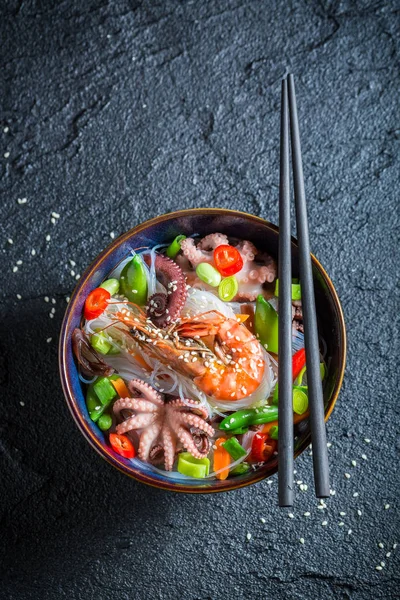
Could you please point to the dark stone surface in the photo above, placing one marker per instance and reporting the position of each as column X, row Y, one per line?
column 118, row 111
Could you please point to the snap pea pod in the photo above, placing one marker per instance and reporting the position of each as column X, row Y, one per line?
column 266, row 324
column 134, row 281
column 250, row 416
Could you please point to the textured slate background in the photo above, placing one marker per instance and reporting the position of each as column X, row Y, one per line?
column 113, row 112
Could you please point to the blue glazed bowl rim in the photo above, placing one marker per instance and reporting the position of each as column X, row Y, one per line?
column 65, row 375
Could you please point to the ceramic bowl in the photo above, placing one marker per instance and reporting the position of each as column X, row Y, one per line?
column 163, row 229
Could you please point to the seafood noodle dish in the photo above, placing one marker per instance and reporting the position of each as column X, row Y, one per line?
column 178, row 357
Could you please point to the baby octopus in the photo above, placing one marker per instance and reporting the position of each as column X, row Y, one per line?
column 163, row 425
column 258, row 267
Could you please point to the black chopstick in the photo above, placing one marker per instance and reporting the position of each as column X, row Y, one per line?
column 315, row 395
column 285, row 431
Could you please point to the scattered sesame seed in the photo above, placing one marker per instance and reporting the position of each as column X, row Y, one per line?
column 22, row 403
column 364, row 456
column 291, row 516
column 355, row 495
column 51, row 315
column 342, row 514
column 46, row 299
column 394, row 546
column 53, row 310
column 6, row 129
column 307, row 514
column 67, row 299
column 19, row 262
column 72, row 273
column 347, row 475
column 248, row 536
column 72, row 262
column 332, row 492
column 33, row 251
column 350, row 531
column 10, row 241
column 378, row 568
column 359, row 512
column 262, row 520
column 387, row 506
column 112, row 235
column 388, row 554
column 53, row 220
column 324, row 523
column 299, row 482
column 367, row 440
column 381, row 545
column 341, row 524
column 382, row 563
column 48, row 238
column 22, row 200
column 321, row 506
column 19, row 296
column 270, row 482
column 329, row 444
column 49, row 340
column 353, row 462
column 53, row 300
column 55, row 215
column 15, row 269
column 301, row 540
column 77, row 276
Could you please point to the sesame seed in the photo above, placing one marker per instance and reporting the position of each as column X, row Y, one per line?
column 381, row 545
column 55, row 215
column 332, row 492
column 22, row 200
column 342, row 514
column 324, row 523
column 307, row 514
column 350, row 531
column 112, row 235
column 53, row 220
column 353, row 462
column 367, row 440
column 301, row 540
column 359, row 512
column 46, row 299
column 19, row 262
column 10, row 241
column 51, row 315
column 291, row 516
column 262, row 520
column 299, row 482
column 378, row 568
column 6, row 129
column 77, row 276
column 15, row 269
column 394, row 546
column 347, row 475
column 49, row 340
column 72, row 273
column 6, row 154
column 364, row 456
column 53, row 310
column 329, row 444
column 22, row 403
column 382, row 563
column 341, row 524
column 67, row 299
column 19, row 296
column 53, row 300
column 388, row 554
column 355, row 495
column 33, row 251
column 248, row 536
column 48, row 238
column 387, row 506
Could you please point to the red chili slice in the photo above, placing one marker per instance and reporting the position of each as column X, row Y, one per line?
column 227, row 260
column 262, row 447
column 122, row 445
column 96, row 303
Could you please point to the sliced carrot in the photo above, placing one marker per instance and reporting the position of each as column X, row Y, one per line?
column 139, row 358
column 222, row 459
column 242, row 318
column 121, row 388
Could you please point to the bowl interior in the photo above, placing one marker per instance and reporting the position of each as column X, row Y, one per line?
column 162, row 230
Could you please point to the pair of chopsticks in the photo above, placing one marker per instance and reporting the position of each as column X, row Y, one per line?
column 285, row 381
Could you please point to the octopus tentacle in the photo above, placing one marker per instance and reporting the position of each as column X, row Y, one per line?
column 191, row 405
column 187, row 440
column 149, row 393
column 169, row 444
column 147, row 439
column 138, row 404
column 195, row 421
column 172, row 277
column 140, row 421
column 213, row 240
